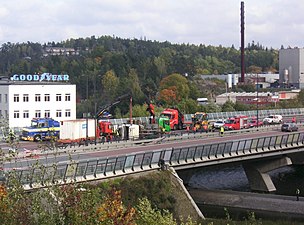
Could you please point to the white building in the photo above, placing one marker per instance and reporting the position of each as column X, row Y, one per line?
column 21, row 100
column 291, row 67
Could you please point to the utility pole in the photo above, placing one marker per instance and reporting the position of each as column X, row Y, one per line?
column 87, row 114
column 257, row 97
column 95, row 110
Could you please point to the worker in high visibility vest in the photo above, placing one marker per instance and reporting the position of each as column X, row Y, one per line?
column 222, row 131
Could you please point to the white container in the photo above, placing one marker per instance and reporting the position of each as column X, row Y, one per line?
column 76, row 129
column 134, row 132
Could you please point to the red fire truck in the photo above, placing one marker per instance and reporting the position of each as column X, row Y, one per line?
column 236, row 123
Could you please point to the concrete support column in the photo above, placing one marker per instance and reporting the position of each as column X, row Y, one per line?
column 257, row 176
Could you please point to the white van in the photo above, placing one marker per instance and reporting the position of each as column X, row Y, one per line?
column 273, row 119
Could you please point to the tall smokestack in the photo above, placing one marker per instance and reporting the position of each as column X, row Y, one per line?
column 242, row 43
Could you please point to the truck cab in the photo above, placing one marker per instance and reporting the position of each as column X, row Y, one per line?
column 175, row 117
column 41, row 129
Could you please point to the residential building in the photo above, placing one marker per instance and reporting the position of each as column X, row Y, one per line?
column 263, row 98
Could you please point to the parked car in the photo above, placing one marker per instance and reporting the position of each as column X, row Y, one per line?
column 289, row 127
column 273, row 119
column 218, row 124
column 252, row 122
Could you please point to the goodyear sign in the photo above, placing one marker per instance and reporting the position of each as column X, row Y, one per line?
column 40, row 77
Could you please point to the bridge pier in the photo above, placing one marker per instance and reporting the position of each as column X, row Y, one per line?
column 256, row 172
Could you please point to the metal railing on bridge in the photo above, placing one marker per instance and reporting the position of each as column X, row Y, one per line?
column 104, row 168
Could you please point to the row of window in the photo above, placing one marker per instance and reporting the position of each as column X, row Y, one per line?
column 47, row 97
column 38, row 113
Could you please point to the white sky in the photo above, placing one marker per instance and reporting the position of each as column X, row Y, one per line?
column 272, row 23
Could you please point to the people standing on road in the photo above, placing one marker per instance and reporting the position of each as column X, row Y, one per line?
column 298, row 193
column 293, row 120
column 222, row 131
column 11, row 136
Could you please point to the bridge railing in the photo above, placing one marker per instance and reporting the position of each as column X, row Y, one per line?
column 103, row 168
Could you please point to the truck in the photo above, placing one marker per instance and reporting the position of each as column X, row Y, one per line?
column 164, row 124
column 273, row 119
column 176, row 118
column 200, row 121
column 236, row 123
column 76, row 130
column 41, row 129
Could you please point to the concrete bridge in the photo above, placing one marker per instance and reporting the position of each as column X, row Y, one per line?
column 257, row 155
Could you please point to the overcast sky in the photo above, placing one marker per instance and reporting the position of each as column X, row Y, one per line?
column 272, row 23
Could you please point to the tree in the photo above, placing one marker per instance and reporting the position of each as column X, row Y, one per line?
column 168, row 96
column 112, row 210
column 147, row 215
column 177, row 85
column 134, row 85
column 110, row 84
column 228, row 106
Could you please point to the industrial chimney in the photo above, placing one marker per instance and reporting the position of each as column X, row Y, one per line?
column 242, row 44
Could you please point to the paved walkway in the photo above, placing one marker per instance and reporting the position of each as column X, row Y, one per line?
column 267, row 203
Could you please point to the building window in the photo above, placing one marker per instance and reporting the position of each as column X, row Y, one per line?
column 26, row 114
column 0, row 98
column 58, row 97
column 16, row 114
column 47, row 97
column 67, row 113
column 25, row 98
column 5, row 96
column 58, row 113
column 37, row 98
column 67, row 97
column 37, row 113
column 47, row 114
column 1, row 114
column 6, row 114
column 16, row 97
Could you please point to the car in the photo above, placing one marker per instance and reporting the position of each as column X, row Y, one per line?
column 273, row 119
column 289, row 127
column 218, row 124
column 252, row 122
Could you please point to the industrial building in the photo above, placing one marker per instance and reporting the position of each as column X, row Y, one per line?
column 291, row 67
column 23, row 97
column 248, row 98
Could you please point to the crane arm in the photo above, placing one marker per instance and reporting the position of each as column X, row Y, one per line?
column 104, row 108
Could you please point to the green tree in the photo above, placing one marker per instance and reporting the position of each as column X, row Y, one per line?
column 146, row 215
column 110, row 84
column 228, row 106
column 134, row 85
